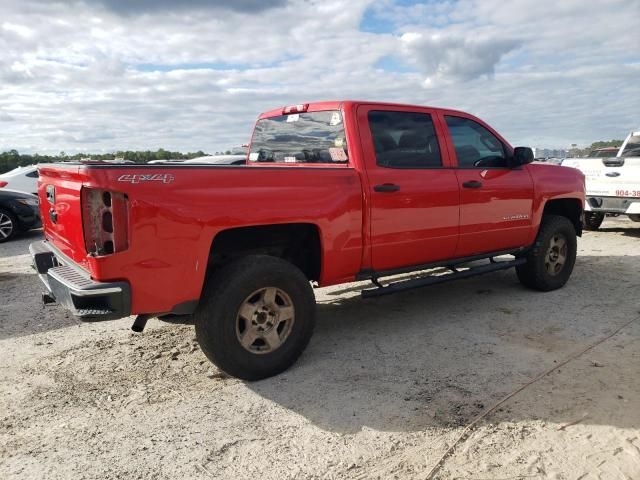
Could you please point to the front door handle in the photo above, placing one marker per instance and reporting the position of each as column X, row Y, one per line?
column 472, row 184
column 387, row 187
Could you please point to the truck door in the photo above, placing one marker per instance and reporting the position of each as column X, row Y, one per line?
column 495, row 200
column 414, row 195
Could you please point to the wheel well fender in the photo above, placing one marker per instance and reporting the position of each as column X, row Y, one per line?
column 570, row 208
column 298, row 243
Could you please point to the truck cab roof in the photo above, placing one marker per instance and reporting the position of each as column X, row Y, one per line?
column 339, row 104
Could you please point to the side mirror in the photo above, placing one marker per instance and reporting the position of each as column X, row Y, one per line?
column 521, row 156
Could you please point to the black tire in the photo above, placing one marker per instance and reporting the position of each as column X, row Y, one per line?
column 218, row 320
column 635, row 217
column 593, row 220
column 8, row 225
column 542, row 270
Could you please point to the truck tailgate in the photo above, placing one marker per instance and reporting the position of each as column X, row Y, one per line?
column 59, row 190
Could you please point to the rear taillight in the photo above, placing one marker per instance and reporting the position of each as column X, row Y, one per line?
column 105, row 220
column 3, row 184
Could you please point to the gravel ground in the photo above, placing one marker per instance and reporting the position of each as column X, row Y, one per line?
column 385, row 388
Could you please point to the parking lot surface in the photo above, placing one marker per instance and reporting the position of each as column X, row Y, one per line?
column 386, row 386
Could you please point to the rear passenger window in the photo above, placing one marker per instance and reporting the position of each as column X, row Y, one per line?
column 476, row 147
column 33, row 174
column 404, row 139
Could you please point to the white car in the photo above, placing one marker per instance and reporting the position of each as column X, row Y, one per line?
column 23, row 179
column 172, row 160
column 232, row 159
column 613, row 184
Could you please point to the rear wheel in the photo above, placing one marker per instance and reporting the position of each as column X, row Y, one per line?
column 8, row 225
column 593, row 220
column 635, row 217
column 551, row 259
column 256, row 316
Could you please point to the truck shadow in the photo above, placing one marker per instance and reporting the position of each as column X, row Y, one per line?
column 627, row 232
column 438, row 357
column 21, row 309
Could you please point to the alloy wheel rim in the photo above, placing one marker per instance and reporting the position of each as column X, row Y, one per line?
column 264, row 320
column 556, row 256
column 6, row 226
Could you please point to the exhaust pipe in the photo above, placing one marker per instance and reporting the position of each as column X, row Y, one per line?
column 47, row 298
column 140, row 322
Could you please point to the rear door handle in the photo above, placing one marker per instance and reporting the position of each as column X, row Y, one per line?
column 387, row 187
column 472, row 184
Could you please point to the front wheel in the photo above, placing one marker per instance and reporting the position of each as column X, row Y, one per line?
column 551, row 259
column 256, row 316
column 593, row 220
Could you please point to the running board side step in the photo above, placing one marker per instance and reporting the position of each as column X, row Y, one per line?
column 455, row 274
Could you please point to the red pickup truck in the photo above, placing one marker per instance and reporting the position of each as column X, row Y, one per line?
column 332, row 192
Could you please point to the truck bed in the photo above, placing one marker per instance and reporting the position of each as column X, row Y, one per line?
column 176, row 211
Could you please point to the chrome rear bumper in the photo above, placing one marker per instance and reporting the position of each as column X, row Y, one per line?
column 75, row 290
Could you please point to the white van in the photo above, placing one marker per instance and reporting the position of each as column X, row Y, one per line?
column 613, row 184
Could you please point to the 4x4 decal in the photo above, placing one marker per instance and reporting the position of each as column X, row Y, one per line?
column 147, row 177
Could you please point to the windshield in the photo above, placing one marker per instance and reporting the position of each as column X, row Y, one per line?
column 632, row 148
column 316, row 137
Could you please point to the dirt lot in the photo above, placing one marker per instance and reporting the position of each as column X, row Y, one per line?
column 385, row 387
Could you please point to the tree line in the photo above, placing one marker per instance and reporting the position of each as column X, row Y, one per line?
column 583, row 152
column 12, row 158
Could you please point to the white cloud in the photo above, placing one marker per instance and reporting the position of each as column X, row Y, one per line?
column 446, row 56
column 20, row 30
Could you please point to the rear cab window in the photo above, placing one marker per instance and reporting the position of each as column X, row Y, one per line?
column 632, row 146
column 310, row 137
column 404, row 139
column 475, row 146
column 607, row 152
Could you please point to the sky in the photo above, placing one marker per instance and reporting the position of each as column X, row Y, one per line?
column 107, row 75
